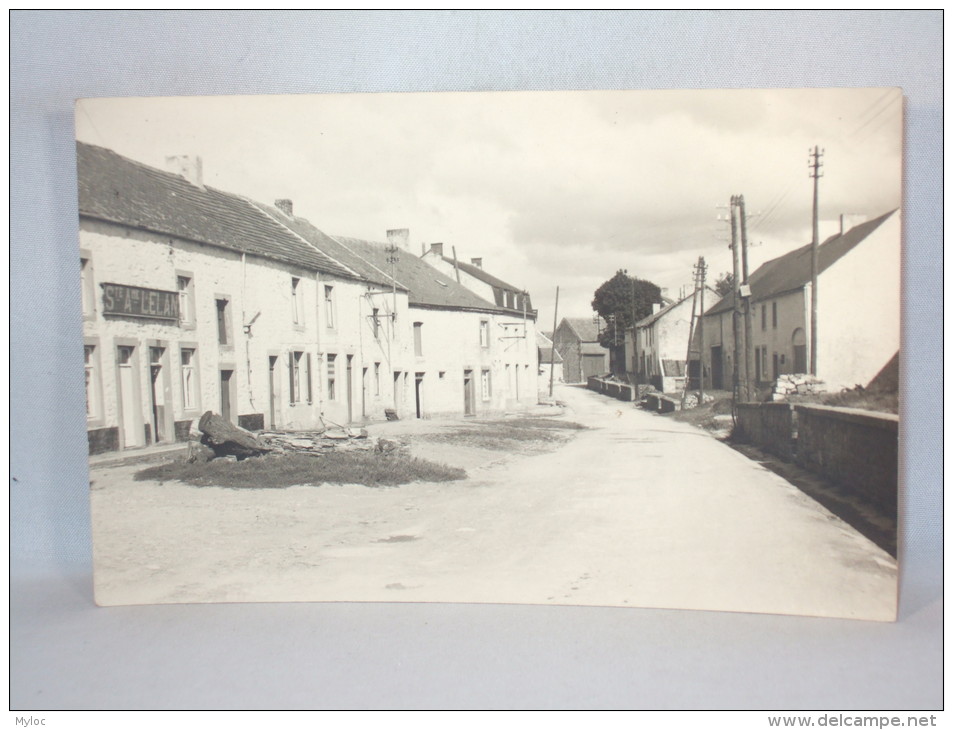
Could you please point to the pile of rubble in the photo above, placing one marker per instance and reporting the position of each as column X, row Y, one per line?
column 787, row 386
column 223, row 439
column 691, row 400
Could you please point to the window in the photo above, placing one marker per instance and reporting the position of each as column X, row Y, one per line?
column 485, row 384
column 222, row 315
column 484, row 333
column 186, row 288
column 92, row 382
column 774, row 315
column 190, row 395
column 331, row 375
column 375, row 316
column 299, row 377
column 764, row 316
column 329, row 305
column 87, row 290
column 377, row 378
column 418, row 342
column 296, row 300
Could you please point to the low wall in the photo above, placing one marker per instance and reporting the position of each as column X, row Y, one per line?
column 856, row 448
column 767, row 425
column 611, row 388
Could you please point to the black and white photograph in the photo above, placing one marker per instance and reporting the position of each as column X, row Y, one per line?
column 636, row 349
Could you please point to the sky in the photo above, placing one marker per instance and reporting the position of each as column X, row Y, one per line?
column 548, row 188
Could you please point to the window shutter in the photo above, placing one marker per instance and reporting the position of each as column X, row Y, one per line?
column 291, row 376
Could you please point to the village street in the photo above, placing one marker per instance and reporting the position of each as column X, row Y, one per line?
column 638, row 510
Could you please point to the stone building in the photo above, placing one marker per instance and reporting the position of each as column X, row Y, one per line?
column 656, row 347
column 576, row 339
column 194, row 299
column 858, row 313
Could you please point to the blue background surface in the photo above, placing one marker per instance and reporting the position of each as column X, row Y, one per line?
column 66, row 653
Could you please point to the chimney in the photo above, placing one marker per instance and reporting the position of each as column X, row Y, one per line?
column 842, row 224
column 656, row 307
column 186, row 166
column 399, row 237
column 478, row 262
column 436, row 248
column 285, row 206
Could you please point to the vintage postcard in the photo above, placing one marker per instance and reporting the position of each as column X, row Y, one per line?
column 627, row 348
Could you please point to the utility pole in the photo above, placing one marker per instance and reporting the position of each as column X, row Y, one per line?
column 736, row 315
column 814, row 166
column 750, row 385
column 552, row 349
column 393, row 256
column 699, row 279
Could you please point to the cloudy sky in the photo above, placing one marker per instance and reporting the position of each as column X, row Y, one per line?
column 550, row 188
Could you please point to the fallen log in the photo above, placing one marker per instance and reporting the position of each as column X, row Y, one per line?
column 226, row 439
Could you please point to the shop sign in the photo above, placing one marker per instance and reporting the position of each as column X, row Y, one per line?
column 135, row 301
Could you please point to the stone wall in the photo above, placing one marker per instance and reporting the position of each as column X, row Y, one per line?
column 767, row 425
column 858, row 449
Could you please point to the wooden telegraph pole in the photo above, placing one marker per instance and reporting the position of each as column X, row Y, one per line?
column 736, row 315
column 749, row 364
column 814, row 164
column 699, row 277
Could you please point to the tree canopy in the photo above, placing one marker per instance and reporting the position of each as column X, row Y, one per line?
column 622, row 301
column 725, row 284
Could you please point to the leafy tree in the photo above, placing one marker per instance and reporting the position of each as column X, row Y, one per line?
column 725, row 284
column 620, row 299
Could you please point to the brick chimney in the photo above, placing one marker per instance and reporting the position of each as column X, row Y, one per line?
column 399, row 237
column 436, row 248
column 478, row 262
column 187, row 166
column 285, row 206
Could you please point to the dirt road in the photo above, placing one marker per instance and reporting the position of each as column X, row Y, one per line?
column 636, row 511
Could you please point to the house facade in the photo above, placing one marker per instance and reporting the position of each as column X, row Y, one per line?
column 550, row 363
column 469, row 356
column 858, row 311
column 193, row 300
column 656, row 347
column 576, row 339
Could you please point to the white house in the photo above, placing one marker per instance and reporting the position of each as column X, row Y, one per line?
column 656, row 348
column 858, row 312
column 193, row 299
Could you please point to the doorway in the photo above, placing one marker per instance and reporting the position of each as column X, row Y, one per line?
column 397, row 398
column 468, row 392
column 132, row 432
column 157, row 395
column 226, row 393
column 717, row 369
column 418, row 393
column 273, row 393
column 350, row 388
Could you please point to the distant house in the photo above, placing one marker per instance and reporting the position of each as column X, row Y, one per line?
column 658, row 344
column 550, row 361
column 473, row 276
column 577, row 340
column 858, row 311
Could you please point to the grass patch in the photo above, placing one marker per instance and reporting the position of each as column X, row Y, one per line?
column 865, row 400
column 706, row 415
column 276, row 471
column 507, row 434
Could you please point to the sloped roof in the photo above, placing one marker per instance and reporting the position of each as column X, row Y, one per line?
column 645, row 322
column 546, row 356
column 793, row 270
column 119, row 190
column 482, row 275
column 334, row 247
column 584, row 328
column 427, row 287
column 592, row 348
